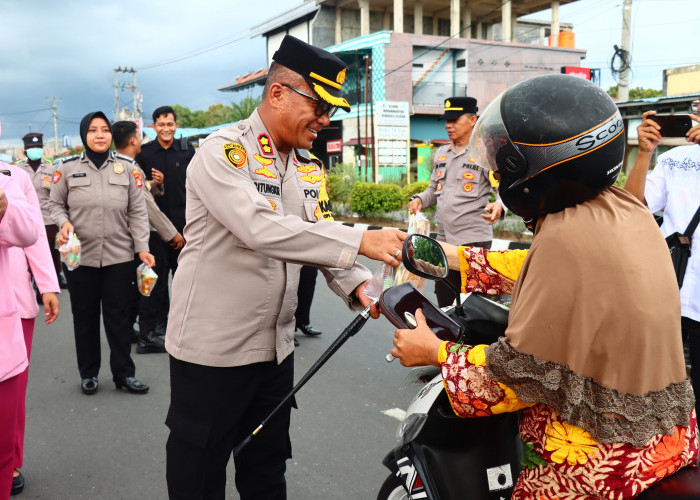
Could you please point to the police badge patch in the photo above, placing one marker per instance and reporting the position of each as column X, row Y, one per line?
column 235, row 154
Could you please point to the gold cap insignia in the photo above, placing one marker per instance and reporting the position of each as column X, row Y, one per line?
column 341, row 76
column 118, row 168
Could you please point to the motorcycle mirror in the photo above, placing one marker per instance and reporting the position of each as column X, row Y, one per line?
column 423, row 256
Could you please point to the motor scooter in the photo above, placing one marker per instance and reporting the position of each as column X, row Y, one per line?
column 441, row 456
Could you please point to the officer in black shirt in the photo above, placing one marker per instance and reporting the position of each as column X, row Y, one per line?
column 165, row 161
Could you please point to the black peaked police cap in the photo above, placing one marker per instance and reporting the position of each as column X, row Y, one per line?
column 33, row 140
column 323, row 71
column 457, row 106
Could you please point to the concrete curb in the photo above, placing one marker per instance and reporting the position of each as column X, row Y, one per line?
column 496, row 244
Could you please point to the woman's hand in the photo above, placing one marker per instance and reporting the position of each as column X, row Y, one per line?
column 66, row 228
column 51, row 306
column 418, row 346
column 147, row 258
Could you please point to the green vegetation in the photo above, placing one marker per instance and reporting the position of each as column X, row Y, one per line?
column 369, row 200
column 635, row 93
column 216, row 114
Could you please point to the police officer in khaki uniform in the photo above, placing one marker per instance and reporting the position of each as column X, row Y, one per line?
column 98, row 197
column 460, row 188
column 256, row 206
column 127, row 140
column 41, row 173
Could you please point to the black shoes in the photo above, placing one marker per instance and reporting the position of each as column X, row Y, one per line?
column 160, row 329
column 149, row 343
column 309, row 330
column 89, row 386
column 17, row 484
column 131, row 385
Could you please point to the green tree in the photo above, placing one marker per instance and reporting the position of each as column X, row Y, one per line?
column 635, row 93
column 243, row 109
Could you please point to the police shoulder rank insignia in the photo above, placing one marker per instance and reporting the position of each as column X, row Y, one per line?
column 137, row 178
column 265, row 145
column 235, row 154
column 56, row 176
column 118, row 168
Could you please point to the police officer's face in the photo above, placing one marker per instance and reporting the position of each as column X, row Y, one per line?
column 165, row 127
column 304, row 125
column 460, row 130
column 98, row 137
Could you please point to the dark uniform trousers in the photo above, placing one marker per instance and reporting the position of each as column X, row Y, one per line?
column 51, row 231
column 305, row 295
column 446, row 295
column 110, row 287
column 212, row 409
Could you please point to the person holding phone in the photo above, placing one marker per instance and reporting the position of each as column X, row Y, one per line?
column 674, row 187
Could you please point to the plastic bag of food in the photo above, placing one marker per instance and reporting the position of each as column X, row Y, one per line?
column 418, row 223
column 70, row 252
column 145, row 279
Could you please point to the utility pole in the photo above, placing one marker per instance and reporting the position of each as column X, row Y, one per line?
column 135, row 111
column 623, row 90
column 55, row 123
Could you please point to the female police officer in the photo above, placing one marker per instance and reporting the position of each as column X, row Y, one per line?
column 98, row 198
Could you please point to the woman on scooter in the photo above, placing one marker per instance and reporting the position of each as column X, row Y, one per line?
column 592, row 355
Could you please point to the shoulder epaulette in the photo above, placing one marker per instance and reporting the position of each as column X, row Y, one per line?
column 48, row 162
column 67, row 158
column 125, row 158
column 303, row 155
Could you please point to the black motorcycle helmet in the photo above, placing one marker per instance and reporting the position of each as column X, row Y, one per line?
column 554, row 141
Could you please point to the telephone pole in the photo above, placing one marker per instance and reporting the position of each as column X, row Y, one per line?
column 55, row 123
column 623, row 91
column 135, row 111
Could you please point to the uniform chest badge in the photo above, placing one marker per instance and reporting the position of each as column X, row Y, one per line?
column 137, row 178
column 235, row 154
column 469, row 176
column 118, row 168
column 306, row 169
column 441, row 158
column 439, row 186
column 468, row 186
column 312, row 178
column 438, row 173
column 265, row 144
column 265, row 172
column 273, row 204
column 46, row 179
column 56, row 176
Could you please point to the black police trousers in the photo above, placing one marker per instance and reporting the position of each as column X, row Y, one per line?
column 108, row 288
column 212, row 409
column 305, row 295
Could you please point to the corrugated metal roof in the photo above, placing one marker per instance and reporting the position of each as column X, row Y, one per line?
column 284, row 18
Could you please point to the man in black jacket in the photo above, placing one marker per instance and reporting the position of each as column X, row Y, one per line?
column 165, row 161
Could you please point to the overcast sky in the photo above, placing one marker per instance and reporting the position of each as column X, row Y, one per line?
column 184, row 51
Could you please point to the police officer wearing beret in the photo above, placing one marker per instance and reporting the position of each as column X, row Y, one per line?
column 41, row 173
column 97, row 197
column 253, row 218
column 460, row 188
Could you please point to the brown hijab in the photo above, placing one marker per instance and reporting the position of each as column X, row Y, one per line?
column 594, row 328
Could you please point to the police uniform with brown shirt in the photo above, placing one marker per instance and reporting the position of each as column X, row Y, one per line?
column 41, row 173
column 146, row 308
column 253, row 218
column 108, row 212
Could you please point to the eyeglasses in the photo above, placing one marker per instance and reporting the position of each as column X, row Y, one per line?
column 322, row 107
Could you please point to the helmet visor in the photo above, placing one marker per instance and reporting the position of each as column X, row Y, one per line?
column 488, row 136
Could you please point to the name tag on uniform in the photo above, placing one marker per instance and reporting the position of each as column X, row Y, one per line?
column 80, row 174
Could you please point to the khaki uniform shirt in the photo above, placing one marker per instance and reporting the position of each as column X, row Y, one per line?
column 41, row 180
column 251, row 223
column 461, row 189
column 158, row 220
column 105, row 206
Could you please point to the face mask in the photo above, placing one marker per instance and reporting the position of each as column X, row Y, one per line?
column 35, row 153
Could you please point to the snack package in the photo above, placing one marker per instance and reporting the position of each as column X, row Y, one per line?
column 387, row 276
column 145, row 279
column 70, row 252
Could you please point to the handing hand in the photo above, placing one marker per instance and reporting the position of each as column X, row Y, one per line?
column 648, row 133
column 415, row 205
column 383, row 244
column 147, row 258
column 366, row 301
column 157, row 177
column 3, row 203
column 418, row 346
column 66, row 228
column 177, row 242
column 51, row 306
column 492, row 213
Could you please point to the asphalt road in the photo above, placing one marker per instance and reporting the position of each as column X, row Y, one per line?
column 112, row 445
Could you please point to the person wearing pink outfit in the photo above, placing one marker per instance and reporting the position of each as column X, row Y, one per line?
column 36, row 261
column 19, row 226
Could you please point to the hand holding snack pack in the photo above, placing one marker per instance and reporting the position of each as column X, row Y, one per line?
column 387, row 276
column 70, row 252
column 145, row 279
